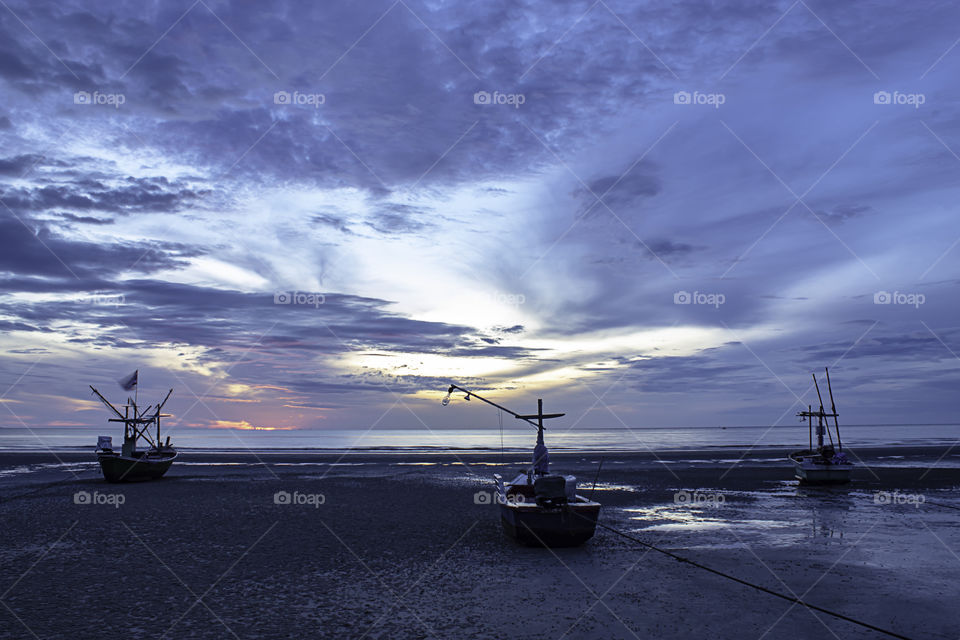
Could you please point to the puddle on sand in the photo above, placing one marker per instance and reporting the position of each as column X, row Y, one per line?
column 779, row 517
column 69, row 467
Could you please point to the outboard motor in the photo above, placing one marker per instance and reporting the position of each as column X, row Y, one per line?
column 104, row 443
column 550, row 491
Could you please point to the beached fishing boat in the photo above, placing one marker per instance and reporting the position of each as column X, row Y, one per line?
column 825, row 464
column 547, row 511
column 538, row 508
column 131, row 464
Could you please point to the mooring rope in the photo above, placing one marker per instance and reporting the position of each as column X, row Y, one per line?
column 758, row 587
column 940, row 504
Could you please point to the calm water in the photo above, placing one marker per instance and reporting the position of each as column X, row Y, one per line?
column 489, row 439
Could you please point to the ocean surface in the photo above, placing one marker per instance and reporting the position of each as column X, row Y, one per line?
column 424, row 440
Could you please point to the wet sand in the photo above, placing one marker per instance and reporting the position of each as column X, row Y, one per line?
column 403, row 546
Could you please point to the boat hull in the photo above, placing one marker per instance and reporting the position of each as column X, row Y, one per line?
column 118, row 468
column 808, row 472
column 566, row 526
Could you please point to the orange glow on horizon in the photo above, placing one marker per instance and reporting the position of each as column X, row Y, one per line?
column 243, row 425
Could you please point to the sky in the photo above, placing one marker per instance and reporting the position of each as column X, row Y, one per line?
column 308, row 215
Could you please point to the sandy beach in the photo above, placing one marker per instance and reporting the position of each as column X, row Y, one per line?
column 406, row 546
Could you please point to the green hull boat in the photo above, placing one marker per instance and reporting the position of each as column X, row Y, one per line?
column 149, row 465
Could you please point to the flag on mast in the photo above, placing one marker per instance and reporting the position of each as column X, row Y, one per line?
column 130, row 381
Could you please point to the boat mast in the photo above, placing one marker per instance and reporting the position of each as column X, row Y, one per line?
column 137, row 425
column 540, row 450
column 823, row 424
column 540, row 415
column 833, row 409
column 159, row 415
column 821, row 417
column 541, row 458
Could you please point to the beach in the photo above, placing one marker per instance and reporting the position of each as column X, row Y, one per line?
column 391, row 545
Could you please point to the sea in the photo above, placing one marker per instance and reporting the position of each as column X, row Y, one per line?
column 425, row 440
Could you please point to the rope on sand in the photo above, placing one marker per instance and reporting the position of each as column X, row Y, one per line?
column 758, row 587
column 940, row 504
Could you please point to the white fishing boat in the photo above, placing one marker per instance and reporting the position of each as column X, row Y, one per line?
column 825, row 464
column 538, row 508
column 547, row 511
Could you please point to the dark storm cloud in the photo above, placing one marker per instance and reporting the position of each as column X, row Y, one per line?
column 515, row 329
column 919, row 345
column 337, row 222
column 620, row 191
column 663, row 248
column 18, row 165
column 843, row 212
column 129, row 195
column 399, row 219
column 164, row 313
column 70, row 217
column 21, row 326
column 31, row 249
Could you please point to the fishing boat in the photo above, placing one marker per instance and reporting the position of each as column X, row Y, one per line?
column 825, row 464
column 131, row 464
column 538, row 508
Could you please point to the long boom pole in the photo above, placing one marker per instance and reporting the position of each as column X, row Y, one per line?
column 833, row 409
column 160, row 406
column 469, row 393
column 817, row 387
column 107, row 403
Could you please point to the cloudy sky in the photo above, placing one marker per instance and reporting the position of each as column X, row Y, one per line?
column 315, row 215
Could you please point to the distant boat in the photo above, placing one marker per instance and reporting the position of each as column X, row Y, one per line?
column 131, row 464
column 538, row 508
column 825, row 464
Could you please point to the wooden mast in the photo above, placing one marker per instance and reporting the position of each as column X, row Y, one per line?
column 821, row 415
column 136, row 426
column 540, row 415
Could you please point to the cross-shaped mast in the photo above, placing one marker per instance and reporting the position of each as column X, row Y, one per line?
column 540, row 416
